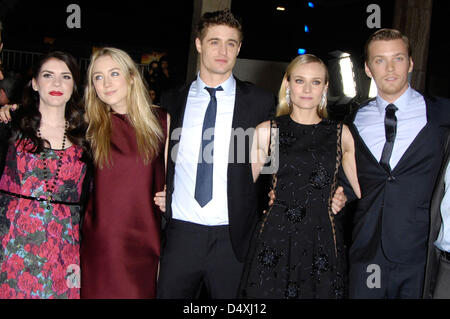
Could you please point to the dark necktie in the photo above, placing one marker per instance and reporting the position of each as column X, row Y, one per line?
column 390, row 126
column 204, row 179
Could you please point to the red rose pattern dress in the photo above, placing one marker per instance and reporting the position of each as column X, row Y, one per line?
column 39, row 241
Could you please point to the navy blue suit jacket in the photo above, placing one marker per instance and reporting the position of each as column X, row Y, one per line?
column 394, row 210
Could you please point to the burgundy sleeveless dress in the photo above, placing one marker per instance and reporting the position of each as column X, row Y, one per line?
column 120, row 244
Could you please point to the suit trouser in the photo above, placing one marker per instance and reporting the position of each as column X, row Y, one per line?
column 381, row 278
column 442, row 288
column 194, row 255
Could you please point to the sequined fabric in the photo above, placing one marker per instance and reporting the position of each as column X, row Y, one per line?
column 297, row 251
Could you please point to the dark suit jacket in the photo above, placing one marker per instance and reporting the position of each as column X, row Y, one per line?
column 252, row 106
column 394, row 209
column 435, row 226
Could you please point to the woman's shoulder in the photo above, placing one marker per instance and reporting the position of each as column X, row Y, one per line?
column 281, row 119
column 264, row 125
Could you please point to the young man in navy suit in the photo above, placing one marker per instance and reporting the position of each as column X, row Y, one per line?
column 399, row 138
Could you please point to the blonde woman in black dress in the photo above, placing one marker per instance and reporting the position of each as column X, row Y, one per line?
column 297, row 251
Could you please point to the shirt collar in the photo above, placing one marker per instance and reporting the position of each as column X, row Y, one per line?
column 401, row 103
column 229, row 86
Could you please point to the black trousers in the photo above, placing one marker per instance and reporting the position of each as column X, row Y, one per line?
column 196, row 255
column 395, row 281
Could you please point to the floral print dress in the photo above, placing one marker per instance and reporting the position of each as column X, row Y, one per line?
column 39, row 239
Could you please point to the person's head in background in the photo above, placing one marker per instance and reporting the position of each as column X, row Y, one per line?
column 154, row 68
column 164, row 64
column 154, row 65
column 154, row 96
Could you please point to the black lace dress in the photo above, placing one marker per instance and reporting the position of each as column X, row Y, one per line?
column 297, row 250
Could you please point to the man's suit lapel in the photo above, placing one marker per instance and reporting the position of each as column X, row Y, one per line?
column 363, row 148
column 180, row 103
column 239, row 121
column 176, row 109
column 421, row 138
column 177, row 117
column 415, row 144
column 240, row 115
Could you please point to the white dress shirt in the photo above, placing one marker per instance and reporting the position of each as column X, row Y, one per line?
column 411, row 118
column 184, row 205
column 443, row 240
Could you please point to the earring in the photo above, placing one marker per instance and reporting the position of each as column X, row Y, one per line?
column 323, row 101
column 288, row 96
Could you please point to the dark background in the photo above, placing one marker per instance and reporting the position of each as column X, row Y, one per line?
column 165, row 26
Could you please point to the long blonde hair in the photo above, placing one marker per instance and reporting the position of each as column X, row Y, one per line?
column 148, row 130
column 285, row 108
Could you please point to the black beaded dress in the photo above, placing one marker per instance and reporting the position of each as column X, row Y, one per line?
column 297, row 250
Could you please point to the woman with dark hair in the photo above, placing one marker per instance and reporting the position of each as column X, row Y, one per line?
column 44, row 164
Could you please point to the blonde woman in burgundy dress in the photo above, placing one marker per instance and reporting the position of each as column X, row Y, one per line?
column 121, row 233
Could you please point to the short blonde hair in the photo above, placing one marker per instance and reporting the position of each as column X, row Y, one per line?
column 283, row 107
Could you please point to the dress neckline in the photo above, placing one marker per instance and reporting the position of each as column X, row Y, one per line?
column 59, row 150
column 305, row 125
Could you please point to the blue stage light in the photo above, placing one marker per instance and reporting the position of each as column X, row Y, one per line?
column 306, row 29
column 301, row 51
column 310, row 4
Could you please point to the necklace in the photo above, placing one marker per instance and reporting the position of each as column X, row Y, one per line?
column 46, row 170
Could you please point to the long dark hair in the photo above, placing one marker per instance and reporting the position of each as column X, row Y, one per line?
column 27, row 118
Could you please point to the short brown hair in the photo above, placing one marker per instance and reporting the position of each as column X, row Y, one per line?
column 386, row 35
column 223, row 17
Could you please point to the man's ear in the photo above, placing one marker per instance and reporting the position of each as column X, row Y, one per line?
column 411, row 65
column 367, row 69
column 239, row 48
column 198, row 45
